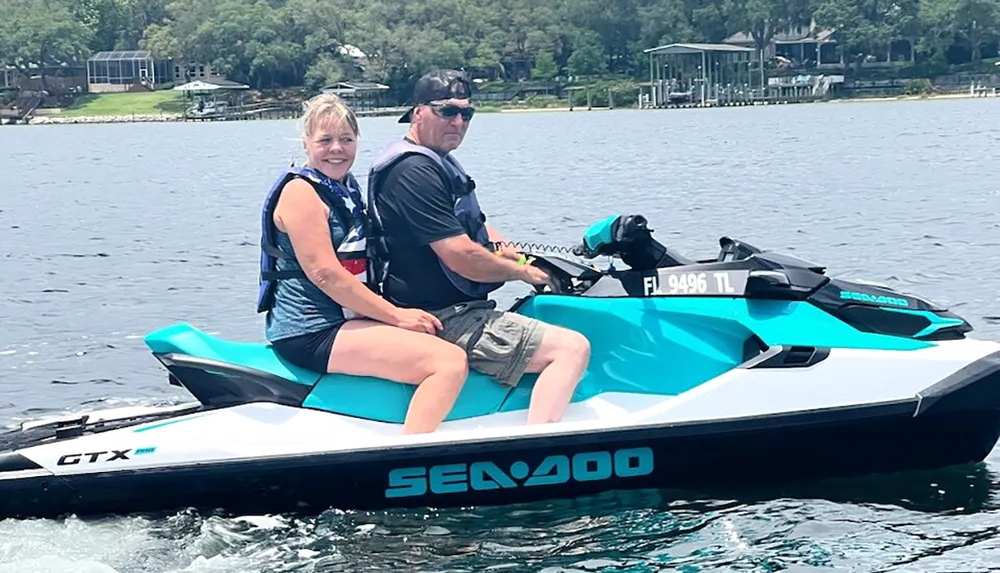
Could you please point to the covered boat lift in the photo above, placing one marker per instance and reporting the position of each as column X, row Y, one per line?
column 360, row 96
column 700, row 74
column 205, row 101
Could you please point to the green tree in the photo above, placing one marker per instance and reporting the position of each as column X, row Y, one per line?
column 588, row 56
column 41, row 33
column 974, row 22
column 614, row 24
column 161, row 42
column 325, row 71
column 545, row 66
column 763, row 19
column 867, row 27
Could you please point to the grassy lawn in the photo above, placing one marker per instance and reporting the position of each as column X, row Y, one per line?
column 139, row 103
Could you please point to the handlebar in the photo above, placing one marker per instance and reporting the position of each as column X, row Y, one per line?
column 563, row 272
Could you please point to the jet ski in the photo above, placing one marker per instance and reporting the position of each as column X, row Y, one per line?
column 751, row 368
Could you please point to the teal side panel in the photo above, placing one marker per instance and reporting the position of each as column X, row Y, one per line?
column 639, row 346
column 775, row 322
column 792, row 322
column 183, row 338
column 668, row 345
column 385, row 401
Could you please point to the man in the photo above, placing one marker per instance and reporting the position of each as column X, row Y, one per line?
column 441, row 258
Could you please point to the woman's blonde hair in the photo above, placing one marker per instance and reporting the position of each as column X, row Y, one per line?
column 326, row 106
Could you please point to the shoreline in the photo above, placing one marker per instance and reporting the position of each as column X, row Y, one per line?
column 961, row 95
column 57, row 119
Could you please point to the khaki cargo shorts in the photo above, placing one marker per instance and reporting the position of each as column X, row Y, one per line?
column 499, row 344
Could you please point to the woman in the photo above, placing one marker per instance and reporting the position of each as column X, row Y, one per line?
column 321, row 314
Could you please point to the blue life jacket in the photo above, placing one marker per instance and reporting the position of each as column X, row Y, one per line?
column 352, row 250
column 467, row 210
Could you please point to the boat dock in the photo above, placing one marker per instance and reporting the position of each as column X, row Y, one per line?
column 269, row 110
column 20, row 111
column 223, row 100
column 724, row 75
column 220, row 111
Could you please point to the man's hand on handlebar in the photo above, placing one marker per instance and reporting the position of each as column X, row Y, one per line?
column 535, row 275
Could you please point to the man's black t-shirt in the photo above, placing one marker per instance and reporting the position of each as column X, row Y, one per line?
column 417, row 208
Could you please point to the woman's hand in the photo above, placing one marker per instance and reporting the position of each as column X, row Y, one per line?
column 417, row 320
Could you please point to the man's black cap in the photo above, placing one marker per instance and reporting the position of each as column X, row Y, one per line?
column 439, row 85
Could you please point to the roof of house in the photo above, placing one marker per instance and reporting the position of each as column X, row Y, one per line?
column 695, row 49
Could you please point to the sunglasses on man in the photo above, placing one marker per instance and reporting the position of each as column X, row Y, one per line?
column 450, row 110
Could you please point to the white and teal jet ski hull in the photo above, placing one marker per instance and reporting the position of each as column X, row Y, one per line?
column 755, row 368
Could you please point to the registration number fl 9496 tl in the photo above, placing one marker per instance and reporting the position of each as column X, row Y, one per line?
column 710, row 283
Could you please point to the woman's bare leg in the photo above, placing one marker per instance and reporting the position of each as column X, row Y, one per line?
column 438, row 368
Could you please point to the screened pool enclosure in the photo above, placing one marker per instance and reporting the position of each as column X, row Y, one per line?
column 127, row 68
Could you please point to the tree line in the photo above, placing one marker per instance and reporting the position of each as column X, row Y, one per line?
column 278, row 43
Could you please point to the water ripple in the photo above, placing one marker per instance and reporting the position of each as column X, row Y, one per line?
column 628, row 531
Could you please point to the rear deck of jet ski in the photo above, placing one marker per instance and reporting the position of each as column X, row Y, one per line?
column 68, row 426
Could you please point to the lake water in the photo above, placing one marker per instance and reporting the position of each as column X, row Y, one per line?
column 110, row 231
